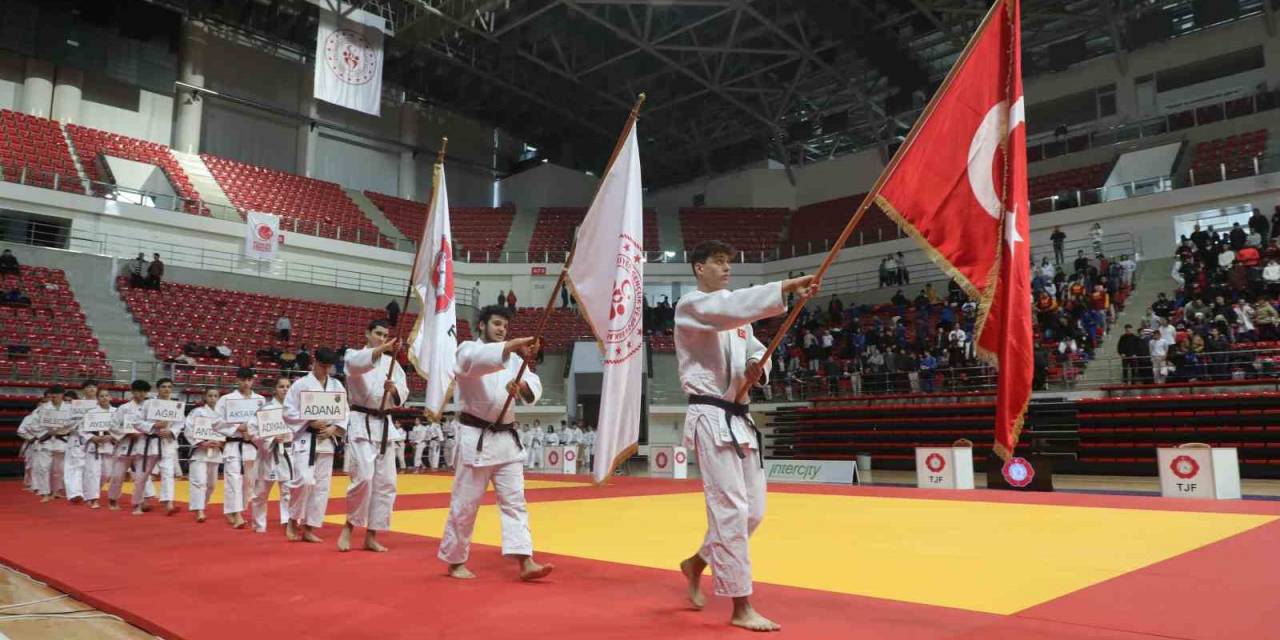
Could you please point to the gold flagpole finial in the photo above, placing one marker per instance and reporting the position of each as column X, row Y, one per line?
column 444, row 145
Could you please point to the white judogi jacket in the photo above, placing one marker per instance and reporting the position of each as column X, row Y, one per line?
column 449, row 431
column 86, row 438
column 248, row 450
column 573, row 435
column 418, row 434
column 57, row 422
column 128, row 429
column 526, row 440
column 537, row 438
column 201, row 454
column 30, row 432
column 365, row 379
column 714, row 342
column 481, row 390
column 434, row 433
column 168, row 447
column 264, row 446
column 293, row 413
column 552, row 439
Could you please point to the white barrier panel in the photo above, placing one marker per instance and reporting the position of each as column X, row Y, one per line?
column 553, row 458
column 1212, row 474
column 662, row 461
column 680, row 463
column 814, row 471
column 571, row 459
column 944, row 467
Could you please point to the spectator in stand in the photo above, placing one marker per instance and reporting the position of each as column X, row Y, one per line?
column 1271, row 276
column 1237, row 236
column 1266, row 318
column 155, row 272
column 812, row 350
column 1275, row 222
column 1059, row 239
column 904, row 274
column 1162, row 307
column 930, row 293
column 1127, row 347
column 138, row 271
column 502, row 298
column 1259, row 224
column 1095, row 236
column 835, row 308
column 303, row 359
column 283, row 328
column 1081, row 265
column 475, row 293
column 511, row 300
column 564, row 297
column 9, row 264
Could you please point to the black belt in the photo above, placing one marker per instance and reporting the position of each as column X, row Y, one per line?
column 732, row 409
column 485, row 426
column 288, row 461
column 239, row 447
column 376, row 413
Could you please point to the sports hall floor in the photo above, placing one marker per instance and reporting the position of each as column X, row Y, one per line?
column 831, row 562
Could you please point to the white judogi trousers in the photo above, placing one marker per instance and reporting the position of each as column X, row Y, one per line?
column 139, row 468
column 451, row 452
column 309, row 489
column 536, row 452
column 269, row 474
column 399, row 445
column 41, row 468
column 468, row 488
column 418, row 449
column 371, row 494
column 93, row 473
column 238, row 476
column 735, row 494
column 433, row 454
column 168, row 466
column 73, row 470
column 203, row 474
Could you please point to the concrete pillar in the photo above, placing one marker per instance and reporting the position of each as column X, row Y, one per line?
column 188, row 104
column 412, row 185
column 308, row 132
column 1127, row 106
column 66, row 95
column 37, row 88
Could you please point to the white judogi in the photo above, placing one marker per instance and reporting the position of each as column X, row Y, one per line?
column 552, row 439
column 714, row 343
column 481, row 390
column 130, row 440
column 588, row 448
column 204, row 460
column 165, row 450
column 371, row 494
column 274, row 465
column 74, row 459
column 57, row 423
column 398, row 437
column 536, row 450
column 312, row 456
column 450, row 445
column 96, row 467
column 239, row 455
column 573, row 438
column 418, row 436
column 30, row 431
column 526, row 445
column 435, row 439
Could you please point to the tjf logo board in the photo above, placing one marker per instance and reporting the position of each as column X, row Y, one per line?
column 944, row 467
column 1199, row 473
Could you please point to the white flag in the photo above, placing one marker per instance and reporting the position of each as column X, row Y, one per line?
column 261, row 235
column 607, row 277
column 433, row 346
column 349, row 60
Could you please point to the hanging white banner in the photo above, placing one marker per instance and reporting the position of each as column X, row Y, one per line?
column 261, row 235
column 349, row 60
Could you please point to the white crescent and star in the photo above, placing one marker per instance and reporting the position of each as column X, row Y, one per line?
column 999, row 122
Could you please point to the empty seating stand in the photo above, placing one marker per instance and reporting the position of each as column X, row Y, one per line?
column 565, row 327
column 90, row 144
column 308, row 206
column 50, row 339
column 1065, row 184
column 36, row 145
column 479, row 233
column 554, row 229
column 1227, row 158
column 815, row 226
column 754, row 232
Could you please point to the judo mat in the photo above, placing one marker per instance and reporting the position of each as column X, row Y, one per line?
column 830, row 562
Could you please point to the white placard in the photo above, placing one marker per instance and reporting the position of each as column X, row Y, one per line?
column 661, row 461
column 240, row 410
column 944, row 467
column 679, row 463
column 158, row 410
column 83, row 406
column 327, row 406
column 1212, row 474
column 202, row 429
column 55, row 418
column 570, row 459
column 812, row 471
column 262, row 235
column 271, row 423
column 98, row 421
column 553, row 458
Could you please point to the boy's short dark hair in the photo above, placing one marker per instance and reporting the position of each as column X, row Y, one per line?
column 161, row 381
column 57, row 389
column 379, row 322
column 708, row 248
column 325, row 355
column 140, row 385
column 88, row 382
column 244, row 373
column 493, row 310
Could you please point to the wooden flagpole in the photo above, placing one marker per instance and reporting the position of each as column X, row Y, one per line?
column 408, row 294
column 875, row 190
column 564, row 271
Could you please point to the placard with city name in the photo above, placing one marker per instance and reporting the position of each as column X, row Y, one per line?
column 83, row 406
column 158, row 410
column 52, row 418
column 271, row 423
column 202, row 429
column 326, row 406
column 240, row 410
column 97, row 421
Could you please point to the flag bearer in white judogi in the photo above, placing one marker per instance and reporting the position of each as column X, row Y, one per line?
column 371, row 493
column 489, row 448
column 435, row 441
column 536, row 442
column 162, row 444
column 274, row 465
column 312, row 450
column 716, row 353
column 239, row 455
column 129, row 443
column 98, row 450
column 418, row 438
column 73, row 462
column 206, row 454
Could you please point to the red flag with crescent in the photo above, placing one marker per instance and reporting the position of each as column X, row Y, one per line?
column 959, row 187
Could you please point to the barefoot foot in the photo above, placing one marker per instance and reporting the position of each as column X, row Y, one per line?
column 344, row 539
column 530, row 570
column 138, row 512
column 291, row 532
column 309, row 536
column 200, row 516
column 461, row 572
column 113, row 505
column 749, row 619
column 693, row 574
column 371, row 544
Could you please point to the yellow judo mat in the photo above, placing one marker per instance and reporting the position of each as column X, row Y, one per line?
column 406, row 484
column 981, row 556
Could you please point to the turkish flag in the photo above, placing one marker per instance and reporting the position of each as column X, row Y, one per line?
column 959, row 187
